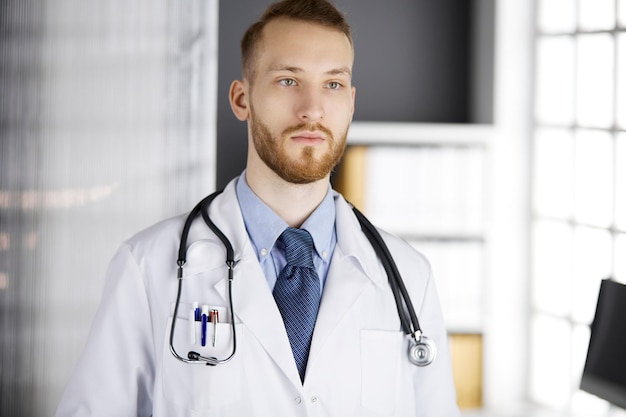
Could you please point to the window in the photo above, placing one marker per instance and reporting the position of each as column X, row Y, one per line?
column 579, row 188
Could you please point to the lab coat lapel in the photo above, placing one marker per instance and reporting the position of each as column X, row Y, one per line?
column 354, row 268
column 344, row 285
column 253, row 302
column 255, row 307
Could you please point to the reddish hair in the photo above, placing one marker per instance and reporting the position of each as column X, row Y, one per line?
column 321, row 12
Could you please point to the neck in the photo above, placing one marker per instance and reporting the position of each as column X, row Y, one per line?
column 293, row 203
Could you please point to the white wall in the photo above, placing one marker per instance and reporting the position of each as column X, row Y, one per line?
column 506, row 330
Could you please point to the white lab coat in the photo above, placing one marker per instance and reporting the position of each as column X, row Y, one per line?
column 358, row 364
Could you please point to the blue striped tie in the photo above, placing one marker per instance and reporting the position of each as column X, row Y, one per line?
column 297, row 293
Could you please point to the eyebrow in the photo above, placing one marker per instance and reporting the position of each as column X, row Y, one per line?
column 289, row 68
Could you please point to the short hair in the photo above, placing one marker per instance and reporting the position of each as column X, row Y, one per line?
column 321, row 12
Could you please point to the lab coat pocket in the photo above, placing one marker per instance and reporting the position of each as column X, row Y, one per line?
column 199, row 387
column 380, row 362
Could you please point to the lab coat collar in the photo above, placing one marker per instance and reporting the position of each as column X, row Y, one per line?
column 205, row 251
column 226, row 214
column 354, row 243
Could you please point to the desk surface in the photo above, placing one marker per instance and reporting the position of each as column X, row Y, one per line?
column 530, row 410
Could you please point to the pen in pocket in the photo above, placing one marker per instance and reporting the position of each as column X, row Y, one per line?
column 205, row 318
column 215, row 318
column 196, row 310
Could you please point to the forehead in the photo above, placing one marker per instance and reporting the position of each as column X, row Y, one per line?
column 310, row 46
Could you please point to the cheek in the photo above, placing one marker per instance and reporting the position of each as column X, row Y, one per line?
column 343, row 106
column 340, row 115
column 274, row 113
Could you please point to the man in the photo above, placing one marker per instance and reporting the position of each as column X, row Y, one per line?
column 297, row 98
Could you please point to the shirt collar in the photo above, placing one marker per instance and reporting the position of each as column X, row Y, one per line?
column 264, row 226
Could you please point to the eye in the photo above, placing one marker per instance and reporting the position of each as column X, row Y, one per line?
column 334, row 85
column 287, row 82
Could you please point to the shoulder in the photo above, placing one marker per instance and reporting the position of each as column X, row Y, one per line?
column 157, row 247
column 166, row 234
column 404, row 254
column 163, row 233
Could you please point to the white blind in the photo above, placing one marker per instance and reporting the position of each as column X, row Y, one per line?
column 107, row 124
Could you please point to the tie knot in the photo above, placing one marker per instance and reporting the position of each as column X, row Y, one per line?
column 298, row 247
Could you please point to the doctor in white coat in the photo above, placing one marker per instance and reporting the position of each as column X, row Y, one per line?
column 297, row 98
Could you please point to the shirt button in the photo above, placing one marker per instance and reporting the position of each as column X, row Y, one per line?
column 314, row 399
column 263, row 252
column 297, row 400
column 324, row 254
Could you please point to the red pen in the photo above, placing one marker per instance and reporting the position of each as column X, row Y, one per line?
column 214, row 317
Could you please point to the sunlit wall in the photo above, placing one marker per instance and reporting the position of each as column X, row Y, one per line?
column 107, row 119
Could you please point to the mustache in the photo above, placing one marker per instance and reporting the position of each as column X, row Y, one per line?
column 309, row 127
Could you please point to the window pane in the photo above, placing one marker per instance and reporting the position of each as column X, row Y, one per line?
column 620, row 186
column 595, row 80
column 583, row 403
column 555, row 80
column 557, row 16
column 593, row 253
column 552, row 267
column 619, row 258
column 550, row 367
column 596, row 14
column 621, row 80
column 580, row 341
column 554, row 173
column 594, row 178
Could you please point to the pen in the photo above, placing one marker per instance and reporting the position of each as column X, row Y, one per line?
column 205, row 317
column 196, row 311
column 215, row 318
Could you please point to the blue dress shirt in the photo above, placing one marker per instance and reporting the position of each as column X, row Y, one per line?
column 264, row 227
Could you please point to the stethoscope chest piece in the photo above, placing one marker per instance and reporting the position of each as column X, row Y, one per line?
column 422, row 351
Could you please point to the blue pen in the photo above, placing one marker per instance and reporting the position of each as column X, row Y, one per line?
column 196, row 310
column 205, row 319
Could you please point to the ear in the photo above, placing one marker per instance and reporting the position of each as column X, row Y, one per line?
column 238, row 96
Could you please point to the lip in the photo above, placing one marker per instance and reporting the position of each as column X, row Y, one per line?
column 308, row 136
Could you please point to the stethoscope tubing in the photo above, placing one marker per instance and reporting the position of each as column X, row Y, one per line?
column 406, row 312
column 400, row 293
column 203, row 207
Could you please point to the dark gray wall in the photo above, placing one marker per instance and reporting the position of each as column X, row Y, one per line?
column 413, row 63
column 235, row 17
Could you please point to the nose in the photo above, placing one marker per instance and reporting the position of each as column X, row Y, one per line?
column 311, row 106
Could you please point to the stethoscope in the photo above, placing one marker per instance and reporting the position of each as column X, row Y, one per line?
column 422, row 350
